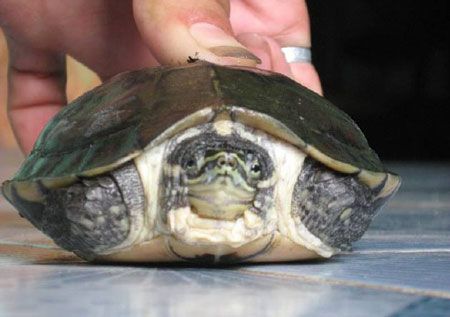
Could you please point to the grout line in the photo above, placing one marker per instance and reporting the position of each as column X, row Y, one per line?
column 405, row 251
column 340, row 282
column 420, row 205
column 31, row 245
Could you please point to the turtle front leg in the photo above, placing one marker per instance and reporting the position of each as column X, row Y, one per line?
column 95, row 215
column 334, row 207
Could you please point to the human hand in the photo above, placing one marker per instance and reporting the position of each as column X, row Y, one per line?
column 115, row 36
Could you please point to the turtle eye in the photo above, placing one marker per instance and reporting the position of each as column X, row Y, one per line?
column 255, row 170
column 254, row 167
column 191, row 166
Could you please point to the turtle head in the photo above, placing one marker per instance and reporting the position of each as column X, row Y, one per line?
column 217, row 182
column 221, row 183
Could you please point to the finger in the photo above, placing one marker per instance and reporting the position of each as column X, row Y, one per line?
column 177, row 30
column 306, row 74
column 272, row 58
column 287, row 21
column 268, row 50
column 36, row 90
column 300, row 35
column 265, row 30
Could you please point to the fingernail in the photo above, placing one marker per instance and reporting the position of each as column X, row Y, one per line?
column 218, row 42
column 232, row 51
column 259, row 46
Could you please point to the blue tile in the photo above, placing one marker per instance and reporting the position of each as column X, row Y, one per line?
column 67, row 290
column 421, row 272
column 429, row 307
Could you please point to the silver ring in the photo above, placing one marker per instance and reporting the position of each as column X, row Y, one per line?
column 297, row 54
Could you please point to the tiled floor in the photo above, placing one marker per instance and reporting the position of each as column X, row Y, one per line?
column 400, row 268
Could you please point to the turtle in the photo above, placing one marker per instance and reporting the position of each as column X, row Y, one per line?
column 201, row 163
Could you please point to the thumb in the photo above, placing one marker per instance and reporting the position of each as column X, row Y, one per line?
column 180, row 30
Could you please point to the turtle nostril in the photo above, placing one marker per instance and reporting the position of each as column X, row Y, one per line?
column 227, row 161
column 221, row 161
column 232, row 162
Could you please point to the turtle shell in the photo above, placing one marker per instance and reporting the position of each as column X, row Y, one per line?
column 116, row 121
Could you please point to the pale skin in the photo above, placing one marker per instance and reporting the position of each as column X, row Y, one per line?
column 114, row 36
